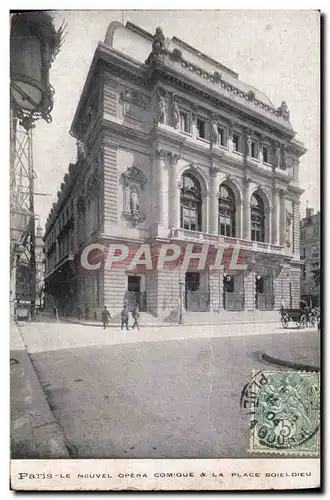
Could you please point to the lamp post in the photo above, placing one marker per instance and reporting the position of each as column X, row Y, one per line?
column 181, row 283
column 34, row 44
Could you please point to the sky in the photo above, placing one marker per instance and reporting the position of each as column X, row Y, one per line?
column 275, row 51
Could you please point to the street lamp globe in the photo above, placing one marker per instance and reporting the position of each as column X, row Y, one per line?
column 34, row 44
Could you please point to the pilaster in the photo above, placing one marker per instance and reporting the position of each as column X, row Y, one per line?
column 275, row 217
column 175, row 191
column 213, row 224
column 247, row 211
column 282, row 194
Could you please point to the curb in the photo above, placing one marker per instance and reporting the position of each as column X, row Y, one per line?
column 289, row 364
column 41, row 434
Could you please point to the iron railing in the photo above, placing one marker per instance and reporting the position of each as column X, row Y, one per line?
column 233, row 301
column 265, row 301
column 197, row 301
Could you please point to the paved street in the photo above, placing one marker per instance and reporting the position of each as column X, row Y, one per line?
column 173, row 392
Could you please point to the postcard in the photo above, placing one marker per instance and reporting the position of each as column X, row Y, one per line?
column 165, row 250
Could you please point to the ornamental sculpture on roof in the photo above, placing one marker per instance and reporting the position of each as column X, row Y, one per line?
column 283, row 111
column 158, row 42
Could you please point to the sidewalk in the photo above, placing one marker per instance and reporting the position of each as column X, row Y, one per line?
column 34, row 431
column 147, row 320
column 51, row 336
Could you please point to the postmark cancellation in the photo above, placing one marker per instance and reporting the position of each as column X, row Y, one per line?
column 284, row 407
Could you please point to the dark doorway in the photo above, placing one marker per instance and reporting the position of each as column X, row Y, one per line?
column 134, row 296
column 195, row 300
column 133, row 283
column 192, row 281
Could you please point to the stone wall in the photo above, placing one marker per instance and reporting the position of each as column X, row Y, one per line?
column 168, row 293
column 110, row 182
column 295, row 285
column 115, row 285
column 249, row 289
column 216, row 290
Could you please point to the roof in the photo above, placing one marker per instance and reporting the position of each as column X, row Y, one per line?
column 137, row 43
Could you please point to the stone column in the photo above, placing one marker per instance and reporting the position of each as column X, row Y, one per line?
column 230, row 138
column 206, row 213
column 282, row 216
column 268, row 235
column 275, row 218
column 261, row 143
column 240, row 233
column 213, row 224
column 175, row 192
column 161, row 185
column 247, row 211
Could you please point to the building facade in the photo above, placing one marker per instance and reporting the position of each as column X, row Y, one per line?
column 310, row 236
column 173, row 147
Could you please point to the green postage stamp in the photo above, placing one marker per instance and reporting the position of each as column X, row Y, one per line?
column 285, row 412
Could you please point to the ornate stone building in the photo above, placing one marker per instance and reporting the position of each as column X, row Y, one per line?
column 172, row 146
column 310, row 238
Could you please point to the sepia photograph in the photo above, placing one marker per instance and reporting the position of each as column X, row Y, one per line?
column 165, row 249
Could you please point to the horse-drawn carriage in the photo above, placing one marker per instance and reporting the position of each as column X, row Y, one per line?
column 300, row 318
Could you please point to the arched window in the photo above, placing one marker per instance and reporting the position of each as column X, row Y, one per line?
column 257, row 218
column 191, row 203
column 227, row 212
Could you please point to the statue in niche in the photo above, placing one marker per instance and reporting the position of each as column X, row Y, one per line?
column 249, row 146
column 175, row 113
column 288, row 228
column 214, row 131
column 134, row 201
column 277, row 156
column 161, row 109
column 158, row 42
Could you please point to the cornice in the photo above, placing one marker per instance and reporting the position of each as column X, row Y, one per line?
column 172, row 75
column 124, row 131
column 296, row 147
column 296, row 189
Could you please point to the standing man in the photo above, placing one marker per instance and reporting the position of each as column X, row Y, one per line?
column 136, row 317
column 105, row 317
column 86, row 312
column 124, row 317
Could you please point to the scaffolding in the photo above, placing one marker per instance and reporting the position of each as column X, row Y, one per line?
column 22, row 216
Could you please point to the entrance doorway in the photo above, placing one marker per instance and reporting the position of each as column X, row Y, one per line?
column 264, row 297
column 233, row 292
column 195, row 298
column 134, row 295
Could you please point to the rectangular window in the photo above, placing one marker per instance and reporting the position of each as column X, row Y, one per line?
column 184, row 121
column 254, row 150
column 265, row 154
column 221, row 136
column 236, row 142
column 201, row 128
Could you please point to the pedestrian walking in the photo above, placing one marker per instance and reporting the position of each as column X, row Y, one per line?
column 124, row 317
column 79, row 313
column 105, row 317
column 86, row 311
column 136, row 317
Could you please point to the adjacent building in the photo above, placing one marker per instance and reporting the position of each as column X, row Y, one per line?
column 173, row 147
column 310, row 237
